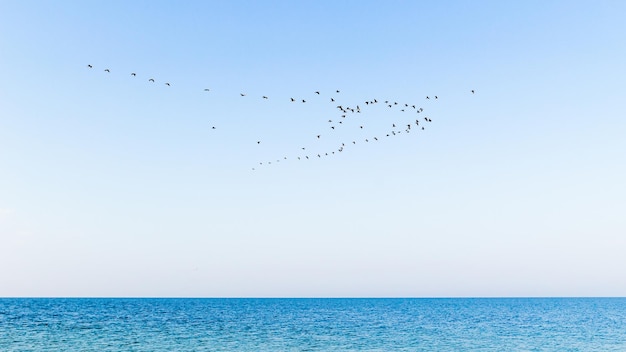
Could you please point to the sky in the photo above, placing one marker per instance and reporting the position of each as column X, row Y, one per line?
column 115, row 186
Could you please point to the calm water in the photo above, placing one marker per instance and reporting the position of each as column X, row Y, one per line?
column 550, row 324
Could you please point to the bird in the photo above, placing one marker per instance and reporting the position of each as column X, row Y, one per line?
column 107, row 70
column 337, row 90
column 292, row 99
column 264, row 97
column 258, row 142
column 427, row 97
column 331, row 100
column 304, row 101
column 472, row 91
column 207, row 89
column 317, row 92
column 151, row 80
column 167, row 84
column 318, row 136
column 213, row 127
column 89, row 66
column 436, row 97
column 242, row 94
column 133, row 74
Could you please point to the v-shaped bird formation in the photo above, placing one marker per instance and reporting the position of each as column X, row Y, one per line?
column 409, row 115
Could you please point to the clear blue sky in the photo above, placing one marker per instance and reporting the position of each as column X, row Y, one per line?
column 111, row 185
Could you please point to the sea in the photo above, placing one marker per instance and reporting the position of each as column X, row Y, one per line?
column 312, row 324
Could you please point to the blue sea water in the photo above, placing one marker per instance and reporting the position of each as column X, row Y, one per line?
column 454, row 324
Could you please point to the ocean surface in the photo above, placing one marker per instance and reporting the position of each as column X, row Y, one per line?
column 452, row 324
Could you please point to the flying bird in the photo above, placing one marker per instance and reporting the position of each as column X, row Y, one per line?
column 167, row 84
column 133, row 74
column 151, row 80
column 89, row 66
column 107, row 70
column 207, row 89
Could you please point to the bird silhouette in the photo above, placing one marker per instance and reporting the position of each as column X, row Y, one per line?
column 107, row 70
column 264, row 97
column 292, row 99
column 167, row 84
column 89, row 66
column 207, row 89
column 317, row 92
column 133, row 74
column 243, row 95
column 151, row 80
column 472, row 91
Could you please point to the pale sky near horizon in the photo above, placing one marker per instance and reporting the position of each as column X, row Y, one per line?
column 111, row 185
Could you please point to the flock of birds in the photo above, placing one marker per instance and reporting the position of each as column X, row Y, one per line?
column 413, row 119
